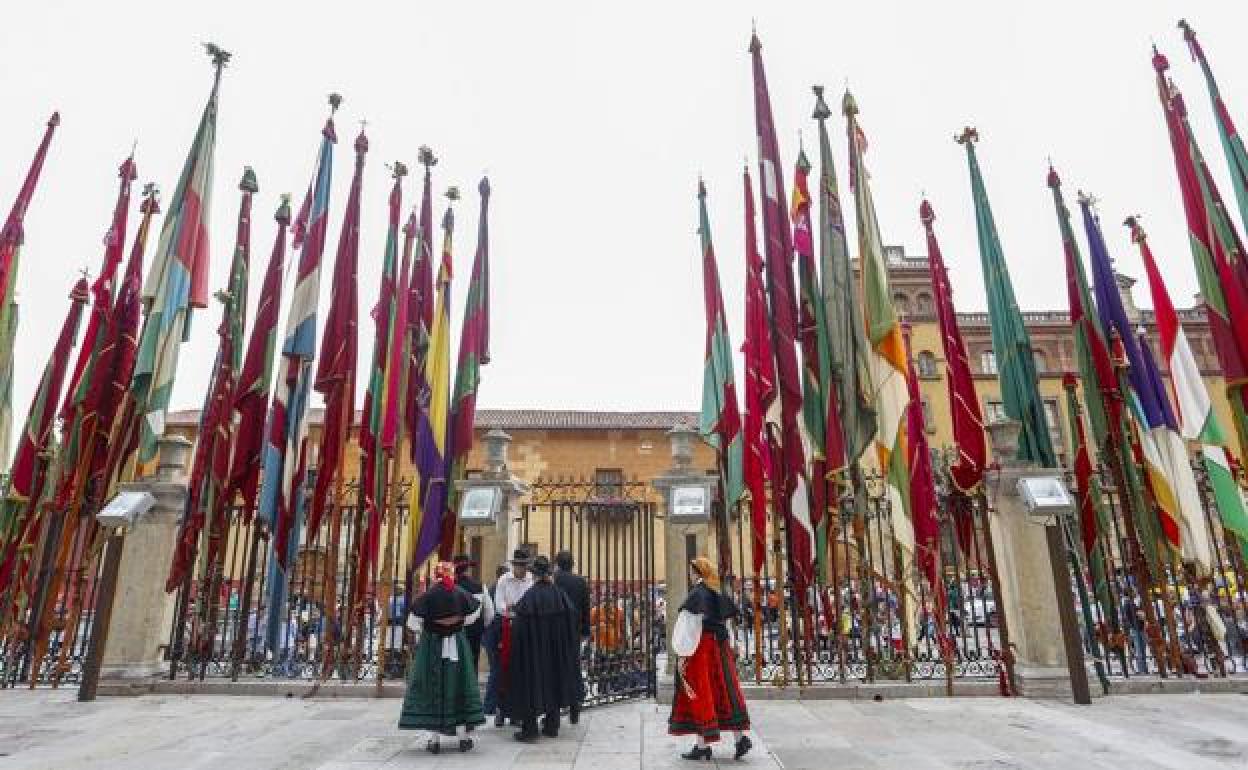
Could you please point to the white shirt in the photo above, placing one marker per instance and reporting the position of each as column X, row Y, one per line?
column 509, row 591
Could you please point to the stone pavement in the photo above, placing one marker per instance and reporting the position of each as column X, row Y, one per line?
column 49, row 729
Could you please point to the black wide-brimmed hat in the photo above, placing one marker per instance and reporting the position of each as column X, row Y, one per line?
column 541, row 566
column 520, row 556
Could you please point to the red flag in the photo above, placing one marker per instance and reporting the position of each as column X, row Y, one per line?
column 12, row 236
column 760, row 384
column 792, row 499
column 420, row 306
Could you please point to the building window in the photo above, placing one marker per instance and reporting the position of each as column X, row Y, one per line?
column 609, row 483
column 994, row 411
column 929, row 422
column 988, row 362
column 925, row 362
column 901, row 303
column 923, row 303
column 1053, row 420
column 1040, row 360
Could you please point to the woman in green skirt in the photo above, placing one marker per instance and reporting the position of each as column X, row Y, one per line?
column 442, row 695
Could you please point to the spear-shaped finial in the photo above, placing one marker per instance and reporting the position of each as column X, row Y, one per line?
column 821, row 107
column 282, row 215
column 1160, row 62
column 1053, row 180
column 248, row 182
column 849, row 106
column 151, row 199
column 755, row 44
column 483, row 187
column 220, row 57
column 1132, row 223
column 335, row 101
column 1189, row 34
column 701, row 188
column 969, row 135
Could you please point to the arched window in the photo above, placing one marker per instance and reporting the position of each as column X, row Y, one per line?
column 929, row 423
column 923, row 304
column 988, row 362
column 925, row 363
column 901, row 303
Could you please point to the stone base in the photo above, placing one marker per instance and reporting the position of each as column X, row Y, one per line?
column 849, row 691
column 1044, row 682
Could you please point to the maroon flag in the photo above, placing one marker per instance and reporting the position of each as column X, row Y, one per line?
column 922, row 485
column 251, row 396
column 12, row 236
column 778, row 250
column 420, row 307
column 760, row 385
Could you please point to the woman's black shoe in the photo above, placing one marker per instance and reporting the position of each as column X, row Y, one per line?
column 527, row 737
column 698, row 752
column 433, row 746
column 744, row 744
column 498, row 719
column 465, row 744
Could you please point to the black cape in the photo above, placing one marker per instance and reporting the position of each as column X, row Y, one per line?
column 715, row 608
column 443, row 609
column 545, row 664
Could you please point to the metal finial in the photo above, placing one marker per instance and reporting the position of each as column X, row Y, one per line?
column 398, row 169
column 1087, row 199
column 220, row 57
column 335, row 101
column 425, row 157
column 969, row 135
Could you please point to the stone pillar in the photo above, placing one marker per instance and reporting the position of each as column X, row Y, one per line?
column 142, row 610
column 685, row 533
column 1027, row 573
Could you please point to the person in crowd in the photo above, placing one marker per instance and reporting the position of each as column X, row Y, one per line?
column 708, row 697
column 545, row 665
column 577, row 590
column 474, row 632
column 508, row 592
column 1132, row 616
column 442, row 695
column 491, row 640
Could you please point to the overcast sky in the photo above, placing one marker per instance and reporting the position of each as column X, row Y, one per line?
column 593, row 121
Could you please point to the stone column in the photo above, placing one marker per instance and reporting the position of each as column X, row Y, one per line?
column 685, row 535
column 142, row 610
column 1032, row 594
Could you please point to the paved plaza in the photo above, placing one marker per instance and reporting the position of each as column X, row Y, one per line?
column 45, row 729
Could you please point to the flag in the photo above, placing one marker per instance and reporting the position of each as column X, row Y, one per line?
column 792, row 500
column 720, row 421
column 281, row 499
column 923, row 505
column 1166, row 463
column 1193, row 408
column 1010, row 341
column 1232, row 142
column 1210, row 236
column 251, row 395
column 760, row 386
column 210, row 470
column 379, row 403
column 847, row 347
column 474, row 348
column 19, row 513
column 429, row 490
column 178, row 279
column 335, row 372
column 11, row 239
column 420, row 311
column 1091, row 515
column 967, row 471
column 886, row 359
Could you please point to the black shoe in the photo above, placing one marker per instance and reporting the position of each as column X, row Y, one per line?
column 526, row 737
column 470, row 728
column 698, row 752
column 433, row 746
column 465, row 745
column 549, row 732
column 498, row 720
column 574, row 714
column 744, row 744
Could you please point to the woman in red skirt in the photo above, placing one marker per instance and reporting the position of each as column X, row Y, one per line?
column 708, row 697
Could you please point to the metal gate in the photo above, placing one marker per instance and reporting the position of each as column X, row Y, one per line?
column 610, row 530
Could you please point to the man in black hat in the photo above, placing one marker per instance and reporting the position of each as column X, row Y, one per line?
column 465, row 580
column 577, row 590
column 510, row 589
column 545, row 665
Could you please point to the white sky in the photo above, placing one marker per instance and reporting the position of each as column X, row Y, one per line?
column 593, row 123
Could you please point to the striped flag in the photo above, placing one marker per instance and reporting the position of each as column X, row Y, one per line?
column 1167, row 465
column 1232, row 142
column 251, row 396
column 210, row 465
column 11, row 239
column 760, row 386
column 1197, row 421
column 474, row 348
column 281, row 498
column 1010, row 342
column 178, row 279
column 887, row 358
column 429, row 488
column 967, row 472
column 793, row 500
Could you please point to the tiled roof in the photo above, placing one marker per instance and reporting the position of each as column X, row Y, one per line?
column 527, row 419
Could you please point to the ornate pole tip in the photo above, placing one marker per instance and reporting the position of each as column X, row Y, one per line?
column 483, row 187
column 282, row 215
column 755, row 44
column 335, row 101
column 927, row 214
column 821, row 107
column 1086, row 199
column 361, row 143
column 701, row 188
column 969, row 135
column 220, row 57
column 1053, row 180
column 398, row 170
column 425, row 157
column 248, row 182
column 1132, row 223
column 55, row 120
column 1189, row 34
column 452, row 193
column 848, row 105
column 1160, row 62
